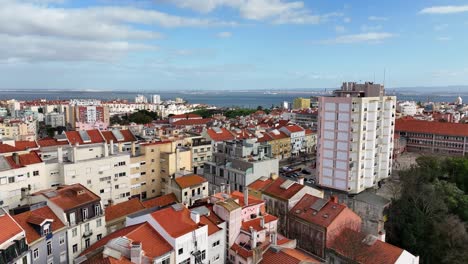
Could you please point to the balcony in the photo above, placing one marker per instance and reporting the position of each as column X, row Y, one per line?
column 87, row 233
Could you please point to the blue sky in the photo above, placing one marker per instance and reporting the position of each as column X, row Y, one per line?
column 231, row 44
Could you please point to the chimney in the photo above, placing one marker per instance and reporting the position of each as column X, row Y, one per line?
column 253, row 238
column 133, row 149
column 262, row 221
column 246, row 196
column 60, row 155
column 382, row 235
column 274, row 176
column 274, row 238
column 111, row 146
column 195, row 216
column 334, row 199
column 16, row 158
column 106, row 150
column 300, row 180
column 136, row 252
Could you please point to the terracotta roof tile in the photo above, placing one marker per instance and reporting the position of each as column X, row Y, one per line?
column 260, row 184
column 94, row 135
column 161, row 201
column 176, row 223
column 287, row 256
column 48, row 142
column 240, row 196
column 329, row 212
column 380, row 252
column 154, row 245
column 223, row 135
column 294, row 128
column 187, row 116
column 255, row 223
column 25, row 144
column 190, row 181
column 5, row 148
column 9, row 227
column 275, row 189
column 70, row 196
column 192, row 122
column 24, row 160
column 212, row 227
column 122, row 209
column 427, row 127
column 28, row 219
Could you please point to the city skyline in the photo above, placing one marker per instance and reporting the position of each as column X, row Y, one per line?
column 230, row 44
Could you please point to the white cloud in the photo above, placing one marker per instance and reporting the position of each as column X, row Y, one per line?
column 224, row 34
column 444, row 9
column 367, row 28
column 370, row 37
column 377, row 18
column 276, row 11
column 444, row 38
column 340, row 29
column 440, row 27
column 38, row 30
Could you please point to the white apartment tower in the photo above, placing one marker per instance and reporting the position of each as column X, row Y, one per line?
column 156, row 99
column 355, row 137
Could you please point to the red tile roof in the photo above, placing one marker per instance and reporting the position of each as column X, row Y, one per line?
column 161, row 201
column 70, row 196
column 275, row 189
column 5, row 148
column 294, row 128
column 279, row 135
column 127, row 136
column 189, row 181
column 25, row 144
column 24, row 160
column 427, row 127
column 260, row 184
column 28, row 219
column 187, row 116
column 379, row 252
column 255, row 223
column 212, row 227
column 95, row 136
column 176, row 223
column 9, row 227
column 251, row 200
column 48, row 142
column 287, row 256
column 329, row 212
column 192, row 122
column 123, row 209
column 222, row 136
column 154, row 245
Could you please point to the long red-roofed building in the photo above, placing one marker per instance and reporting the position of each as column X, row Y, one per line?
column 433, row 137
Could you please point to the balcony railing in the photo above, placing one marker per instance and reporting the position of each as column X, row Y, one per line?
column 88, row 233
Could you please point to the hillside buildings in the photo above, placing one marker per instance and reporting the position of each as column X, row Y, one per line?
column 355, row 137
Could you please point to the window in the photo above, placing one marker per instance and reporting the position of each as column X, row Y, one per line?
column 98, row 223
column 85, row 213
column 187, row 261
column 75, row 248
column 11, row 179
column 62, row 239
column 88, row 182
column 63, row 257
column 181, row 250
column 216, row 243
column 166, row 261
column 99, row 236
column 87, row 243
column 97, row 209
column 49, row 248
column 3, row 180
column 74, row 232
column 36, row 253
column 203, row 254
column 86, row 227
column 185, row 193
column 35, row 173
column 45, row 229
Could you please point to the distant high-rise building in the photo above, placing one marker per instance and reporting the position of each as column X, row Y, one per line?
column 355, row 137
column 141, row 99
column 285, row 105
column 301, row 103
column 179, row 100
column 156, row 99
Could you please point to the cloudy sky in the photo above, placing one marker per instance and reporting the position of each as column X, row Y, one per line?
column 231, row 44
